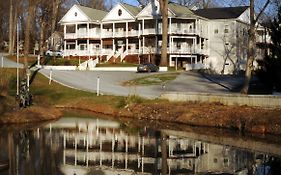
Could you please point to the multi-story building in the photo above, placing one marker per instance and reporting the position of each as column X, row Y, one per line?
column 214, row 38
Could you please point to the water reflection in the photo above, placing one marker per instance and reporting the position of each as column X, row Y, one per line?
column 95, row 146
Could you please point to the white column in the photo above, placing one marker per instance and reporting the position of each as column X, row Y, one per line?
column 127, row 29
column 139, row 28
column 113, row 29
column 88, row 30
column 88, row 47
column 113, row 44
column 64, row 46
column 139, row 45
column 76, row 29
column 127, row 43
column 143, row 44
column 76, row 46
column 171, row 44
column 100, row 51
column 101, row 30
column 143, row 26
column 64, row 30
column 170, row 25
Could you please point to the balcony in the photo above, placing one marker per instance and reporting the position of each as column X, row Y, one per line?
column 133, row 33
column 120, row 34
column 263, row 39
column 70, row 36
column 106, row 33
column 150, row 31
column 74, row 52
column 183, row 30
column 107, row 51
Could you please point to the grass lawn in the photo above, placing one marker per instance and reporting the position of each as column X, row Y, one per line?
column 153, row 79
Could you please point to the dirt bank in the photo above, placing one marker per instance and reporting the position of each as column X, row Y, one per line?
column 243, row 119
column 30, row 115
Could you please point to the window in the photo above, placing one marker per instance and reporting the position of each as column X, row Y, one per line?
column 215, row 160
column 75, row 14
column 119, row 12
column 226, row 29
column 216, row 31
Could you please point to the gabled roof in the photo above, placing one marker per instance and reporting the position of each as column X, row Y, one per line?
column 132, row 9
column 179, row 10
column 93, row 14
column 222, row 13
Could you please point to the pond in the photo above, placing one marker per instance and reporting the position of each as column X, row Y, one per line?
column 86, row 146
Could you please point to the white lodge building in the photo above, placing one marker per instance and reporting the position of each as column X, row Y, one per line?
column 214, row 38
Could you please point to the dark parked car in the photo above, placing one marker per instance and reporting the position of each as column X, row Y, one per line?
column 148, row 67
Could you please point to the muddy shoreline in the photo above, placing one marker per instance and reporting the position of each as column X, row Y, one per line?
column 241, row 119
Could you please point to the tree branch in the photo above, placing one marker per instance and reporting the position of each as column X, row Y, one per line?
column 262, row 10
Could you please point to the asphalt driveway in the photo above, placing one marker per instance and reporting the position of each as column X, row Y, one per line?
column 111, row 82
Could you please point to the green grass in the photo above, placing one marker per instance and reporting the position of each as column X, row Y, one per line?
column 62, row 62
column 153, row 79
column 58, row 94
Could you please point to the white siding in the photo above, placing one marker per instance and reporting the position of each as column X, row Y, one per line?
column 74, row 15
column 113, row 15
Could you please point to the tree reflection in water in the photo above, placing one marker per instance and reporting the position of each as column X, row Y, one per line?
column 95, row 146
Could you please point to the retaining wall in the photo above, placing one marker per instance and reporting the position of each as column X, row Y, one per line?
column 272, row 101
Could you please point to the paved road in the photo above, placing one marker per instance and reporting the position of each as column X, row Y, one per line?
column 8, row 63
column 111, row 82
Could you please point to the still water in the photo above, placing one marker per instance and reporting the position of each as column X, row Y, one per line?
column 95, row 146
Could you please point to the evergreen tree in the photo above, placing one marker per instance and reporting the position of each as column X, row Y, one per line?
column 270, row 73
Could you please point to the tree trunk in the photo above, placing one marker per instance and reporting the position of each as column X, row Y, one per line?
column 28, row 26
column 11, row 50
column 42, row 34
column 251, row 44
column 251, row 50
column 15, row 22
column 164, row 11
column 56, row 4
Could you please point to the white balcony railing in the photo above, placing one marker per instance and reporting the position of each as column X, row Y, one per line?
column 106, row 33
column 70, row 36
column 74, row 52
column 151, row 31
column 120, row 34
column 133, row 33
column 133, row 51
column 107, row 51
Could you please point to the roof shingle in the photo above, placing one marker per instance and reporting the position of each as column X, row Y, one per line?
column 133, row 9
column 93, row 14
column 222, row 12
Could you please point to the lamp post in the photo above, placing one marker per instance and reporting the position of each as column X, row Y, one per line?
column 17, row 59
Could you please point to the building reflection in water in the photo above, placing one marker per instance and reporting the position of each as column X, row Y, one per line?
column 96, row 146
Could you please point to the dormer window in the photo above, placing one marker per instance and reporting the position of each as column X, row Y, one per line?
column 119, row 12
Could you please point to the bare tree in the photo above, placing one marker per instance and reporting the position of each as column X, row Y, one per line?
column 251, row 44
column 11, row 49
column 96, row 4
column 56, row 5
column 164, row 12
column 143, row 2
column 28, row 28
